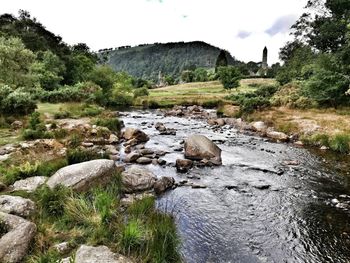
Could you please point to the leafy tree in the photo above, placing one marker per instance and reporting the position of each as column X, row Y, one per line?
column 104, row 76
column 15, row 63
column 200, row 75
column 187, row 76
column 229, row 77
column 48, row 70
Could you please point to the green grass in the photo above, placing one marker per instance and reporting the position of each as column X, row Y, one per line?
column 7, row 136
column 113, row 124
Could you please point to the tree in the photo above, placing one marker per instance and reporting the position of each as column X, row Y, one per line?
column 187, row 76
column 221, row 61
column 48, row 70
column 104, row 76
column 15, row 63
column 229, row 76
column 200, row 75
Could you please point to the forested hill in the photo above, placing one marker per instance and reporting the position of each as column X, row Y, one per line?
column 171, row 58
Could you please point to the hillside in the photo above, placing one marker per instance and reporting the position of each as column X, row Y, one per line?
column 171, row 58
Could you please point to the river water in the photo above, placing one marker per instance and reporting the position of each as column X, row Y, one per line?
column 250, row 212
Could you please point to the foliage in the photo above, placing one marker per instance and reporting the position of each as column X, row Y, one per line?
column 200, row 75
column 229, row 76
column 15, row 102
column 212, row 103
column 36, row 129
column 15, row 63
column 221, row 60
column 187, row 76
column 141, row 92
column 104, row 76
column 340, row 143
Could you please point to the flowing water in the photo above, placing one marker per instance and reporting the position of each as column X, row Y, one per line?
column 249, row 212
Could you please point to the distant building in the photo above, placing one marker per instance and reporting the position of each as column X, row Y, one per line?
column 264, row 65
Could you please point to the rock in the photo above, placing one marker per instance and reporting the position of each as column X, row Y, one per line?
column 259, row 126
column 131, row 157
column 299, row 143
column 62, row 248
column 127, row 149
column 161, row 162
column 29, row 184
column 198, row 147
column 198, row 186
column 84, row 175
column 147, row 152
column 136, row 180
column 129, row 199
column 291, row 162
column 132, row 133
column 324, row 148
column 160, row 126
column 113, row 139
column 183, row 165
column 16, row 205
column 101, row 254
column 15, row 243
column 220, row 122
column 131, row 142
column 4, row 157
column 163, row 184
column 111, row 149
column 279, row 136
column 87, row 144
column 16, row 125
column 144, row 160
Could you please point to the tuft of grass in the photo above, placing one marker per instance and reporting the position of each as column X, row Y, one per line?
column 340, row 143
column 62, row 115
column 133, row 236
column 51, row 202
column 112, row 124
column 48, row 257
column 79, row 155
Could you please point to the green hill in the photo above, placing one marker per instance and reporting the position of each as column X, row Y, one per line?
column 146, row 61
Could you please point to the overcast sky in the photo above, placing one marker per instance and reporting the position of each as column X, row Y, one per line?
column 243, row 27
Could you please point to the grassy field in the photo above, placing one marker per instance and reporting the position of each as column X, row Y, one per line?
column 200, row 92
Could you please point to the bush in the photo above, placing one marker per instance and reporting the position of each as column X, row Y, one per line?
column 212, row 103
column 140, row 92
column 62, row 115
column 187, row 76
column 113, row 124
column 15, row 102
column 91, row 111
column 79, row 155
column 229, row 76
column 152, row 104
column 290, row 96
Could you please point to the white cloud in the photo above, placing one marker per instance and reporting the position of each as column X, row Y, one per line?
column 112, row 23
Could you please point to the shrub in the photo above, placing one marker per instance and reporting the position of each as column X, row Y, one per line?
column 187, row 76
column 29, row 134
column 59, row 133
column 16, row 102
column 112, row 124
column 229, row 76
column 91, row 111
column 140, row 92
column 79, row 155
column 152, row 104
column 62, row 115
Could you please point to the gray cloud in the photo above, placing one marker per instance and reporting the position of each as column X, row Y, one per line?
column 281, row 25
column 243, row 34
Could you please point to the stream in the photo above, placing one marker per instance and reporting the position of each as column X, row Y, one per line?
column 256, row 207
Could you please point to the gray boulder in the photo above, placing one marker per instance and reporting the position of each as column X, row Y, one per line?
column 144, row 160
column 101, row 254
column 199, row 147
column 259, row 126
column 16, row 205
column 136, row 180
column 29, row 184
column 15, row 243
column 83, row 176
column 163, row 184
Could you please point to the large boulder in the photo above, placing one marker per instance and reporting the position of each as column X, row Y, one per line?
column 15, row 243
column 132, row 133
column 101, row 254
column 131, row 157
column 259, row 126
column 29, row 184
column 199, row 147
column 137, row 180
column 83, row 176
column 163, row 184
column 16, row 205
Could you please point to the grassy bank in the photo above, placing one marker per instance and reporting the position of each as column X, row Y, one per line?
column 200, row 93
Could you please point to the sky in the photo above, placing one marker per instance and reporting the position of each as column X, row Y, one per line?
column 243, row 27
